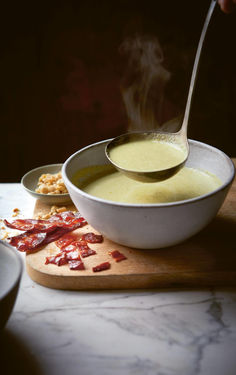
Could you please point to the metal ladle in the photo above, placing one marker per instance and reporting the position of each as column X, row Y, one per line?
column 179, row 139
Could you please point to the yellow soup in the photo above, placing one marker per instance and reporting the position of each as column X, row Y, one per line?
column 107, row 183
column 147, row 155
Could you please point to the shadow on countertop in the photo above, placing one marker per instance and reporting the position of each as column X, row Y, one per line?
column 16, row 357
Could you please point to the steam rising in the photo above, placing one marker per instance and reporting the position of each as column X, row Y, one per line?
column 144, row 82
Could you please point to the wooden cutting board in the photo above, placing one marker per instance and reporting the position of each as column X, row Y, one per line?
column 207, row 259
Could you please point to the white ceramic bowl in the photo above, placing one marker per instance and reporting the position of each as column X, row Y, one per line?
column 150, row 226
column 10, row 275
column 30, row 179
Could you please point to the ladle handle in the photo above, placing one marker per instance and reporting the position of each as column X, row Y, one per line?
column 184, row 127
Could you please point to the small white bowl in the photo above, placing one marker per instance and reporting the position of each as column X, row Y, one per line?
column 10, row 274
column 30, row 179
column 150, row 226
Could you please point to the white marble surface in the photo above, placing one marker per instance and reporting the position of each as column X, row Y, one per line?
column 146, row 332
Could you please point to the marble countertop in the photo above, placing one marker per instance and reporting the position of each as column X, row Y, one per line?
column 131, row 332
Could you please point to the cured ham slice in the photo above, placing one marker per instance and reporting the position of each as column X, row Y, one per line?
column 92, row 237
column 42, row 232
column 26, row 241
column 102, row 267
column 117, row 255
column 65, row 241
column 76, row 265
column 59, row 259
column 87, row 252
column 65, row 219
column 31, row 225
column 72, row 258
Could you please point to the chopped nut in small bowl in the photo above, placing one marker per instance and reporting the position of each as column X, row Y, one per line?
column 46, row 183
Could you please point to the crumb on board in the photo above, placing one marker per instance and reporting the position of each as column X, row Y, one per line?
column 4, row 234
column 16, row 212
column 54, row 210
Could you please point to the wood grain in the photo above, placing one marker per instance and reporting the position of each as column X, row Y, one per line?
column 207, row 259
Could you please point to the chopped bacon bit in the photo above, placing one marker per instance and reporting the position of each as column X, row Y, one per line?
column 87, row 252
column 72, row 258
column 92, row 237
column 67, row 219
column 69, row 248
column 59, row 259
column 57, row 233
column 82, row 245
column 117, row 255
column 76, row 265
column 102, row 267
column 73, row 255
column 65, row 240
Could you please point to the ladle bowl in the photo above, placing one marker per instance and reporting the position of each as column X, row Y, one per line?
column 178, row 139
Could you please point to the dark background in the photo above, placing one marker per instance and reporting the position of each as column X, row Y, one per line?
column 61, row 73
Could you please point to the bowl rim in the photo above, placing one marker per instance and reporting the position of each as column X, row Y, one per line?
column 148, row 205
column 20, row 263
column 41, row 194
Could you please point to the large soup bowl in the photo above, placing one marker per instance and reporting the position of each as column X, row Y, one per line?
column 150, row 226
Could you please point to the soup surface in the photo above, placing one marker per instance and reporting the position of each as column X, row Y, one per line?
column 107, row 183
column 147, row 155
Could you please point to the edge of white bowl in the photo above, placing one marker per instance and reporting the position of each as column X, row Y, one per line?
column 153, row 205
column 20, row 262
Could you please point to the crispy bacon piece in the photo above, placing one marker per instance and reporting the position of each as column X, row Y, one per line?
column 26, row 241
column 102, row 267
column 57, row 233
column 59, row 259
column 42, row 232
column 92, row 237
column 76, row 265
column 65, row 219
column 81, row 246
column 29, row 241
column 72, row 258
column 62, row 258
column 31, row 225
column 65, row 240
column 73, row 255
column 71, row 252
column 117, row 255
column 87, row 252
column 70, row 247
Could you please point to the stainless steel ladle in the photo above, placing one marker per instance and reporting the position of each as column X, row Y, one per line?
column 180, row 138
